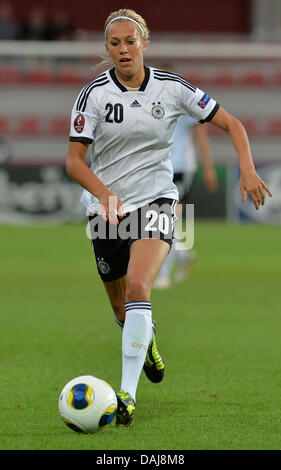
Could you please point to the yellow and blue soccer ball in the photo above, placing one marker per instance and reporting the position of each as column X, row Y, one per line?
column 87, row 404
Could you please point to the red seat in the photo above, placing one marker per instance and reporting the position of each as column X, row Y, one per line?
column 274, row 126
column 29, row 125
column 69, row 75
column 277, row 78
column 5, row 126
column 223, row 77
column 59, row 125
column 39, row 75
column 255, row 78
column 10, row 74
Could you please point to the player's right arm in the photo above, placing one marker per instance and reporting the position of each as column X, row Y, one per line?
column 77, row 169
column 84, row 120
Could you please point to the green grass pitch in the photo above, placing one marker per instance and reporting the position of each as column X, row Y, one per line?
column 219, row 333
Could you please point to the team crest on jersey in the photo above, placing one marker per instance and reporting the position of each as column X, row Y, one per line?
column 103, row 266
column 157, row 111
column 79, row 123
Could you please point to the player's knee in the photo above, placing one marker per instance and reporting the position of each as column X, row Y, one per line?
column 137, row 289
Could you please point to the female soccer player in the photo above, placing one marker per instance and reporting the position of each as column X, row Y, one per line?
column 128, row 113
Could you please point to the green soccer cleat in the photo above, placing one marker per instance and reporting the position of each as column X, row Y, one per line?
column 125, row 408
column 154, row 365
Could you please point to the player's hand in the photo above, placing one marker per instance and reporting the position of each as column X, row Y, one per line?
column 251, row 183
column 210, row 179
column 111, row 207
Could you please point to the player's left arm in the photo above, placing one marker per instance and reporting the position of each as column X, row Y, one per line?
column 250, row 181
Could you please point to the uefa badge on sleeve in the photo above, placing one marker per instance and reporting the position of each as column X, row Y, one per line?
column 204, row 101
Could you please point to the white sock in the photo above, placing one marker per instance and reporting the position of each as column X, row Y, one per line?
column 137, row 334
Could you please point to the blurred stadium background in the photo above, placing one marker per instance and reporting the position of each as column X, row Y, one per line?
column 229, row 48
column 222, row 341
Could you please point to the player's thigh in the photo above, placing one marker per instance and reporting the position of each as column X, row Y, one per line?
column 112, row 257
column 146, row 259
column 111, row 252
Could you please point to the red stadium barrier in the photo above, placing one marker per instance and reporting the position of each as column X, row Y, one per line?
column 254, row 78
column 10, row 74
column 4, row 126
column 60, row 126
column 277, row 78
column 39, row 76
column 67, row 74
column 29, row 126
column 274, row 127
column 224, row 78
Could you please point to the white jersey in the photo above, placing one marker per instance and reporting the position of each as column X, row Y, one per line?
column 183, row 154
column 132, row 133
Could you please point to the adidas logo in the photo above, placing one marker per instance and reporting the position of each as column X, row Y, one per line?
column 135, row 104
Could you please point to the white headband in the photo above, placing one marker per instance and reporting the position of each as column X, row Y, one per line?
column 124, row 18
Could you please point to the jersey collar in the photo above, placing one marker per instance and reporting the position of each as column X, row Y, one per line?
column 122, row 87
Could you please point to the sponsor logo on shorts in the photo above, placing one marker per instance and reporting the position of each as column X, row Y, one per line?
column 79, row 123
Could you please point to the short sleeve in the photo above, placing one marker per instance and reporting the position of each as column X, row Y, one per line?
column 197, row 104
column 84, row 122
